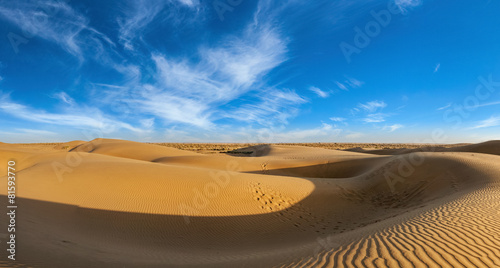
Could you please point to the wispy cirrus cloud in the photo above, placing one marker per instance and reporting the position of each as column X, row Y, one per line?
column 493, row 121
column 189, row 3
column 375, row 118
column 444, row 107
column 341, row 86
column 36, row 131
column 222, row 79
column 404, row 5
column 142, row 12
column 338, row 119
column 272, row 106
column 349, row 83
column 372, row 106
column 192, row 92
column 392, row 128
column 353, row 83
column 471, row 107
column 64, row 97
column 57, row 22
column 140, row 15
column 319, row 92
column 82, row 117
column 438, row 66
column 486, row 104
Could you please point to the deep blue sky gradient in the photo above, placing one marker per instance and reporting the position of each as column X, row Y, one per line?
column 261, row 71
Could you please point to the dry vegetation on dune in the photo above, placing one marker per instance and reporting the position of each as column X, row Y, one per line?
column 207, row 147
column 116, row 203
column 228, row 147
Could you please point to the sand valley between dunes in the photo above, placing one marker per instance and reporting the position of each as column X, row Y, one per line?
column 115, row 203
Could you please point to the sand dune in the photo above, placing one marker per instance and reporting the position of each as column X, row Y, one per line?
column 69, row 145
column 129, row 149
column 489, row 147
column 113, row 203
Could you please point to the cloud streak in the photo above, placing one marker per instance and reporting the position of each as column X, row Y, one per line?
column 338, row 119
column 438, row 66
column 57, row 22
column 142, row 13
column 493, row 121
column 92, row 118
column 372, row 106
column 393, row 128
column 375, row 118
column 319, row 92
column 349, row 83
column 444, row 107
column 404, row 5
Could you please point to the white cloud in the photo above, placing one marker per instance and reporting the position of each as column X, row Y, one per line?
column 173, row 109
column 493, row 121
column 438, row 66
column 36, row 131
column 190, row 3
column 274, row 106
column 341, row 86
column 353, row 83
column 337, row 119
column 444, row 107
column 349, row 83
column 319, row 92
column 85, row 118
column 372, row 106
column 486, row 104
column 57, row 22
column 147, row 123
column 404, row 5
column 471, row 107
column 373, row 110
column 375, row 118
column 143, row 12
column 393, row 127
column 193, row 92
column 63, row 96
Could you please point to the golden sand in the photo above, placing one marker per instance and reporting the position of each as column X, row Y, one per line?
column 114, row 203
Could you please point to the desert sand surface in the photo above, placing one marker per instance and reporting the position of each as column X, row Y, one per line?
column 116, row 203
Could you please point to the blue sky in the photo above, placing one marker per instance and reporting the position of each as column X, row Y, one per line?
column 250, row 71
